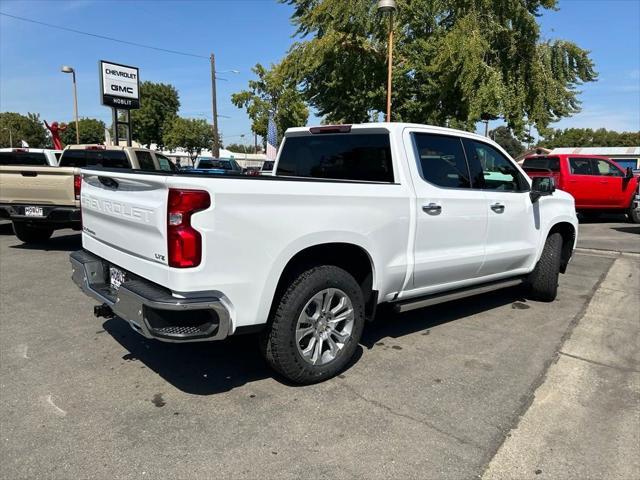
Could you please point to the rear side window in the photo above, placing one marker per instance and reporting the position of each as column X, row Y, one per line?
column 23, row 158
column 543, row 163
column 145, row 160
column 441, row 160
column 363, row 157
column 95, row 158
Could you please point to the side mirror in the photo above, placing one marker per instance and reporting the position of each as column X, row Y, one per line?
column 541, row 187
column 628, row 174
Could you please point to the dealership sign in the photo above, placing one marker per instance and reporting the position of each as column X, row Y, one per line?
column 119, row 86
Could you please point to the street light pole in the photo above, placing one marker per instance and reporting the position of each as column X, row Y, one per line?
column 215, row 152
column 67, row 69
column 389, row 6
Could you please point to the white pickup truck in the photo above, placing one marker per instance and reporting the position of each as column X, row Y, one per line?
column 356, row 216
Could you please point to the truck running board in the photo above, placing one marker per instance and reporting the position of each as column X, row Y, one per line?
column 434, row 299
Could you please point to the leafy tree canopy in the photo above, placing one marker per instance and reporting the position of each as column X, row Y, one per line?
column 586, row 137
column 272, row 89
column 455, row 62
column 27, row 127
column 193, row 135
column 91, row 131
column 159, row 104
column 240, row 148
column 503, row 137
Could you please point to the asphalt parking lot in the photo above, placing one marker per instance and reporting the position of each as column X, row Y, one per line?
column 455, row 391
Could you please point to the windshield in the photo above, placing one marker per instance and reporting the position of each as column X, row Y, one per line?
column 216, row 164
column 22, row 158
column 91, row 158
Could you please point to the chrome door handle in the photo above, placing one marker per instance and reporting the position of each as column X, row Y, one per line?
column 497, row 207
column 432, row 209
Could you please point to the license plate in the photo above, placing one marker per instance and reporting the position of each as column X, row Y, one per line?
column 33, row 212
column 117, row 277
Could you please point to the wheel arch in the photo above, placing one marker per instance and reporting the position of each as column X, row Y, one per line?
column 568, row 232
column 351, row 257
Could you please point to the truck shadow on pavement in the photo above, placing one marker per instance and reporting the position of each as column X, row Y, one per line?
column 61, row 243
column 216, row 367
column 635, row 230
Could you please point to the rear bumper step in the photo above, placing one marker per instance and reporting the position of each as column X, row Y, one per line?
column 51, row 214
column 150, row 309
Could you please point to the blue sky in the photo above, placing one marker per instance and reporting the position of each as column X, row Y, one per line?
column 242, row 33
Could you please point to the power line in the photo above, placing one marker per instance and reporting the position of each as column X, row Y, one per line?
column 104, row 37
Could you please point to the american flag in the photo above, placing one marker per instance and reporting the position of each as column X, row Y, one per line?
column 272, row 138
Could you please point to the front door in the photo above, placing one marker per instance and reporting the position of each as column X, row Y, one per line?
column 451, row 217
column 513, row 228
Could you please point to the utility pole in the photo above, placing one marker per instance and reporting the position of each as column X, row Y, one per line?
column 255, row 142
column 214, row 106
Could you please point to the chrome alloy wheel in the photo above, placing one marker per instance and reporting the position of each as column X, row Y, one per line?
column 324, row 326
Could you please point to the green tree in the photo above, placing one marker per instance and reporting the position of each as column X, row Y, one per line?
column 91, row 131
column 159, row 105
column 192, row 135
column 240, row 148
column 455, row 62
column 272, row 90
column 22, row 127
column 503, row 137
column 586, row 137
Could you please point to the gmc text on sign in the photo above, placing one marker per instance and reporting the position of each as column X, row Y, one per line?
column 120, row 85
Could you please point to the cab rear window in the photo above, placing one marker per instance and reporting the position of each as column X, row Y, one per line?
column 95, row 158
column 543, row 163
column 23, row 158
column 363, row 157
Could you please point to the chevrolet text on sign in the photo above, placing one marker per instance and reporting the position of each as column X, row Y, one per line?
column 120, row 85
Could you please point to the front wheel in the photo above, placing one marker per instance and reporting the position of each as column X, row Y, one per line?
column 543, row 281
column 31, row 234
column 633, row 214
column 316, row 327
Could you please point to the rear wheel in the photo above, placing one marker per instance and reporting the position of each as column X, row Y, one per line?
column 543, row 281
column 316, row 327
column 30, row 233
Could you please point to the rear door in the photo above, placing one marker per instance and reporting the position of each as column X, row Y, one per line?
column 451, row 221
column 512, row 230
column 126, row 212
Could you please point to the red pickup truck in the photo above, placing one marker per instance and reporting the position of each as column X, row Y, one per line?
column 598, row 184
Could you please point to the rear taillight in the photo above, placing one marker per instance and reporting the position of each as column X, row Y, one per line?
column 77, row 184
column 183, row 241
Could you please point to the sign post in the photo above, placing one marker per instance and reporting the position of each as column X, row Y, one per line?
column 120, row 90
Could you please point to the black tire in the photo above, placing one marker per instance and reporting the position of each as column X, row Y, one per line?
column 278, row 341
column 542, row 283
column 633, row 214
column 31, row 234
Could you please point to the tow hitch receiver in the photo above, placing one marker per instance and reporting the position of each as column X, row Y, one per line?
column 103, row 310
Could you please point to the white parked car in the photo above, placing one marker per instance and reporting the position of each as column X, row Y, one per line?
column 35, row 157
column 356, row 216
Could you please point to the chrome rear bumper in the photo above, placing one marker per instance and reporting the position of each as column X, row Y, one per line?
column 150, row 309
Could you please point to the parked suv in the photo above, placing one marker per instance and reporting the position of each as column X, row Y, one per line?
column 356, row 216
column 41, row 199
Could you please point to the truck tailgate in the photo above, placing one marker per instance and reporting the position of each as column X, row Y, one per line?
column 37, row 185
column 125, row 214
